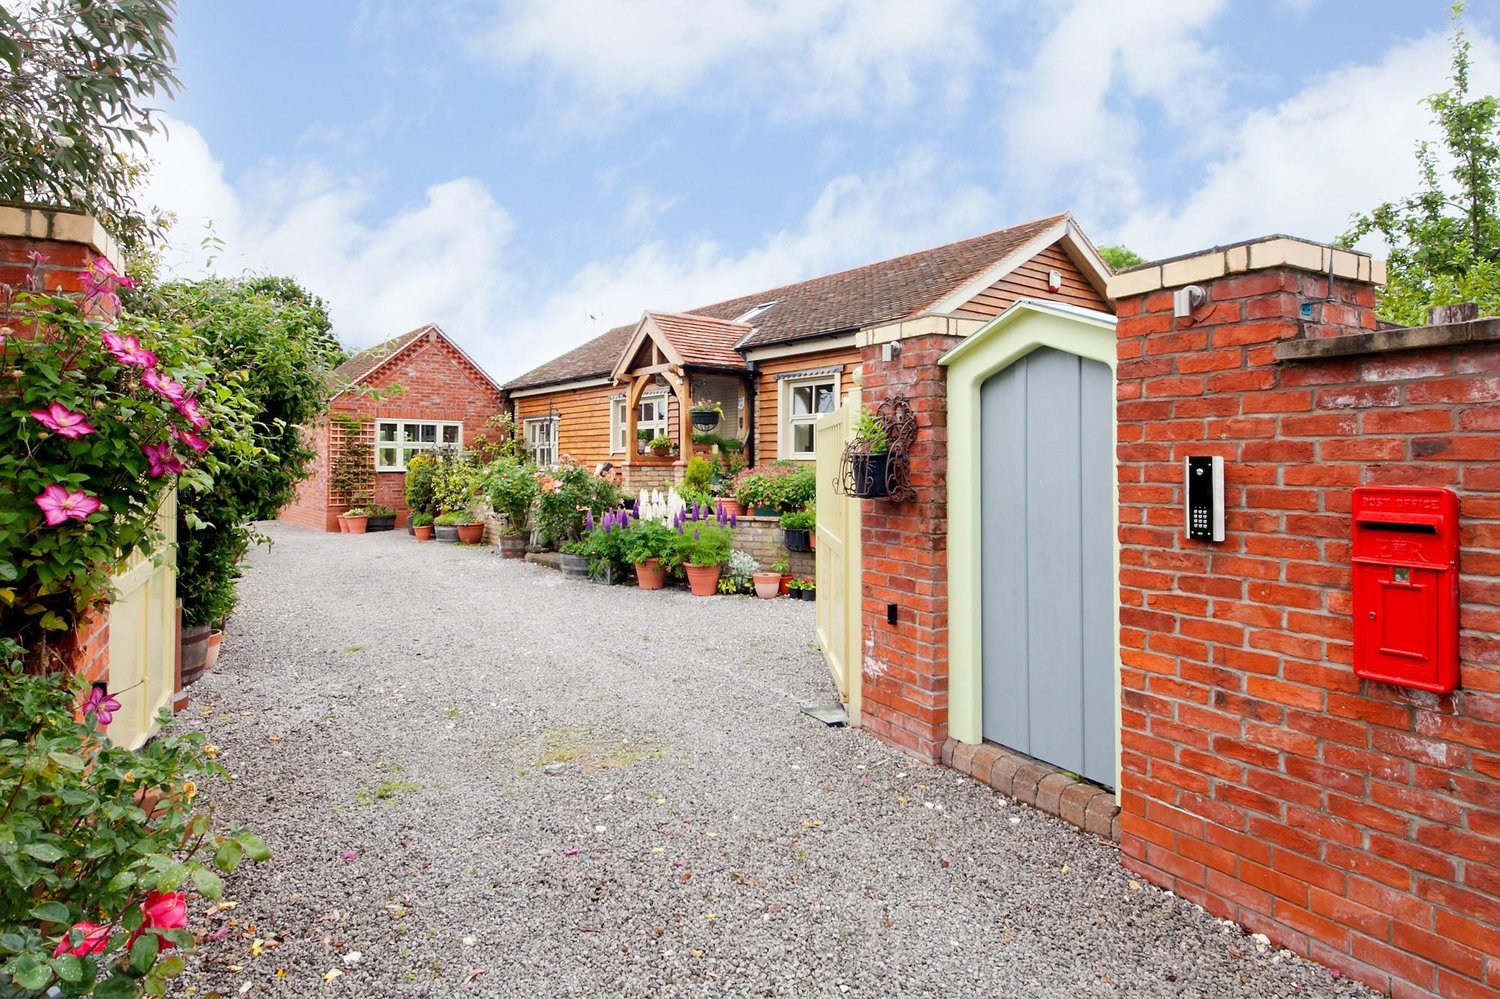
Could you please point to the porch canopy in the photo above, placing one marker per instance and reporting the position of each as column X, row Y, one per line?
column 695, row 356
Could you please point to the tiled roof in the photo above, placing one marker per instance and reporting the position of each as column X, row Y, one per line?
column 703, row 340
column 367, row 360
column 594, row 359
column 847, row 300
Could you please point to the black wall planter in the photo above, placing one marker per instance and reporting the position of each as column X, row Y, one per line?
column 869, row 473
column 797, row 541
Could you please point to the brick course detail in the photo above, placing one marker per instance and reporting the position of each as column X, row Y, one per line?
column 1354, row 822
column 904, row 683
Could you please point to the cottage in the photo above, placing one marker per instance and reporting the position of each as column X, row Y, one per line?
column 763, row 367
column 414, row 393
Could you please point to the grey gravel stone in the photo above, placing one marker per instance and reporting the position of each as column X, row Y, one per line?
column 388, row 709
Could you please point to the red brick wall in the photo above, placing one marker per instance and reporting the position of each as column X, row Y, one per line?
column 1355, row 822
column 437, row 383
column 904, row 693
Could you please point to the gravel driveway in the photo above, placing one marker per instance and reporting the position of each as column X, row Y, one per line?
column 391, row 711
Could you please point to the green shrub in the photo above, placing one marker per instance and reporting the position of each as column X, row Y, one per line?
column 568, row 492
column 449, row 519
column 81, row 859
column 456, row 481
column 800, row 520
column 698, row 477
column 420, row 469
column 421, row 520
column 649, row 539
column 512, row 489
column 701, row 543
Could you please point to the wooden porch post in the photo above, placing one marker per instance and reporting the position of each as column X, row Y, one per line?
column 685, row 419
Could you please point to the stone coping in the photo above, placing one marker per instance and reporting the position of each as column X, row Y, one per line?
column 1476, row 331
column 1261, row 253
column 1041, row 785
column 21, row 221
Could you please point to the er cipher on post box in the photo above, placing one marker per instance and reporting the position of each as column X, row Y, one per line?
column 1406, row 586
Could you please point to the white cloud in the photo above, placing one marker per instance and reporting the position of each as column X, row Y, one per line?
column 819, row 57
column 1343, row 144
column 855, row 220
column 439, row 260
column 444, row 259
column 1076, row 107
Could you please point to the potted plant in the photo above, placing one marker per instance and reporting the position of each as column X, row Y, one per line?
column 809, row 589
column 783, row 568
column 605, row 546
column 707, row 414
column 758, row 490
column 767, row 584
column 470, row 528
column 357, row 519
column 420, row 478
column 512, row 489
column 661, row 446
column 869, row 457
column 738, row 573
column 445, row 526
column 382, row 518
column 703, row 548
column 421, row 526
column 650, row 547
column 574, row 560
column 796, row 530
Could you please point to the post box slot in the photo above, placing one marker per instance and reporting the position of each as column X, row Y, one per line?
column 1414, row 525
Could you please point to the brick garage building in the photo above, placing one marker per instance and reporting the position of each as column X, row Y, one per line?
column 1353, row 821
column 412, row 393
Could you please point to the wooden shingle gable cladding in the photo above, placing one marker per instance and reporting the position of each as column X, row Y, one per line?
column 809, row 329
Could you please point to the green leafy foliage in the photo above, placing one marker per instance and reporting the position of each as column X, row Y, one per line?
column 1445, row 242
column 870, row 432
column 54, row 353
column 799, row 520
column 419, row 484
column 784, row 485
column 567, row 493
column 703, row 543
column 1121, row 257
column 649, row 539
column 456, row 481
column 511, row 485
column 80, row 81
column 351, row 474
column 88, row 833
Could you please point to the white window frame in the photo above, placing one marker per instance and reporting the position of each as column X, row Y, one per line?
column 618, row 425
column 785, row 438
column 406, row 449
column 536, row 448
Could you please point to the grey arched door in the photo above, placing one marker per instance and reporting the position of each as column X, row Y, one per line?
column 1048, row 586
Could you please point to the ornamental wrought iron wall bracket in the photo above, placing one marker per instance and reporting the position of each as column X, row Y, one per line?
column 886, row 474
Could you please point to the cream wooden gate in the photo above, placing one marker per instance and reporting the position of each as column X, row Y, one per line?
column 839, row 565
column 143, row 635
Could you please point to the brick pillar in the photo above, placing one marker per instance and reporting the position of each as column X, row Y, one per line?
column 904, row 695
column 1352, row 821
column 54, row 248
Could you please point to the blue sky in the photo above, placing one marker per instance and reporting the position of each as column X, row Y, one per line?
column 512, row 168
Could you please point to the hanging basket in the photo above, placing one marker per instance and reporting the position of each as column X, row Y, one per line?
column 705, row 418
column 868, row 475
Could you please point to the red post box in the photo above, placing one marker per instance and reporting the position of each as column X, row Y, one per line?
column 1406, row 586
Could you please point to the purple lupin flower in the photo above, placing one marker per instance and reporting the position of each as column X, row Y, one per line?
column 588, row 519
column 734, row 520
column 635, row 510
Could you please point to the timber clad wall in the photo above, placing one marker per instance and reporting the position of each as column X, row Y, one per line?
column 583, row 421
column 1029, row 280
column 768, row 389
column 1352, row 821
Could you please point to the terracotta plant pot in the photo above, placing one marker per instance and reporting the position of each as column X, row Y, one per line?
column 786, row 585
column 423, row 533
column 357, row 525
column 343, row 524
column 215, row 642
column 511, row 545
column 731, row 507
column 662, row 452
column 703, row 580
column 812, row 540
column 650, row 574
column 767, row 585
column 470, row 534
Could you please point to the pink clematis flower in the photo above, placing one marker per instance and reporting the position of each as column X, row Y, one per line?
column 173, row 391
column 192, row 440
column 162, row 458
column 59, row 419
column 128, row 350
column 59, row 505
column 93, row 939
column 188, row 407
column 101, row 705
column 163, row 911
